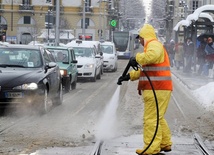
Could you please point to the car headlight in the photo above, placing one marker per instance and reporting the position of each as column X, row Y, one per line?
column 63, row 72
column 89, row 66
column 30, row 86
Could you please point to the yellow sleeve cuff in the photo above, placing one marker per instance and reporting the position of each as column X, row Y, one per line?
column 134, row 75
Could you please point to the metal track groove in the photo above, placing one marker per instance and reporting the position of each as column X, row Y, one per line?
column 97, row 148
column 200, row 145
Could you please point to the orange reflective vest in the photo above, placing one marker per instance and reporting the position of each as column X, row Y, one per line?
column 159, row 75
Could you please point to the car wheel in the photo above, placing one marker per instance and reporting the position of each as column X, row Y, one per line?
column 68, row 85
column 102, row 70
column 99, row 75
column 46, row 103
column 74, row 84
column 58, row 100
column 2, row 110
column 94, row 78
column 115, row 68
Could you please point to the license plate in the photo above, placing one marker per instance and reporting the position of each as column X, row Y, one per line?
column 14, row 95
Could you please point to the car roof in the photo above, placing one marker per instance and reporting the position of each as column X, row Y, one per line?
column 58, row 47
column 75, row 43
column 21, row 46
column 107, row 43
column 92, row 41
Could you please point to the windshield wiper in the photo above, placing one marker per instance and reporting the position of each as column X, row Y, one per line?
column 10, row 65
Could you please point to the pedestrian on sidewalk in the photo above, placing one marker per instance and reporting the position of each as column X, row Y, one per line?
column 165, row 44
column 201, row 55
column 188, row 55
column 179, row 52
column 209, row 58
column 155, row 61
column 171, row 52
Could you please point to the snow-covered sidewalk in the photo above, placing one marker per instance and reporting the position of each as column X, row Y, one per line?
column 202, row 87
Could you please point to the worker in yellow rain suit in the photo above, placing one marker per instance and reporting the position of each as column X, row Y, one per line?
column 155, row 62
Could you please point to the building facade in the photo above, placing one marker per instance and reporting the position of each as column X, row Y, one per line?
column 179, row 10
column 22, row 21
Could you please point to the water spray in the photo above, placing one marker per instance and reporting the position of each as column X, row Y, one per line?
column 136, row 67
column 107, row 122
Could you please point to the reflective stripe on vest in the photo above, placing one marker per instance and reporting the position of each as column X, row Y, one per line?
column 156, row 68
column 155, row 78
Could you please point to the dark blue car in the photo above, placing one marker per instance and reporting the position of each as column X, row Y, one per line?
column 29, row 76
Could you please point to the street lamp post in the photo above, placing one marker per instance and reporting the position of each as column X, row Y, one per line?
column 83, row 21
column 183, row 4
column 48, row 25
column 100, row 31
column 12, row 15
column 57, row 39
column 169, row 19
column 185, row 10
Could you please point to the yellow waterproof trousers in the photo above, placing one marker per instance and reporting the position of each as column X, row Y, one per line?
column 163, row 137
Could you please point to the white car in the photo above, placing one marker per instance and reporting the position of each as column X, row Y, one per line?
column 97, row 45
column 109, row 56
column 89, row 65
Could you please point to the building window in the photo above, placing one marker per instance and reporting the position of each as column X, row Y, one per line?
column 55, row 1
column 26, row 2
column 87, row 5
column 86, row 23
column 195, row 4
column 27, row 19
column 181, row 3
column 26, row 38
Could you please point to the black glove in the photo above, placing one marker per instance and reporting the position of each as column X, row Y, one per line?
column 123, row 78
column 133, row 62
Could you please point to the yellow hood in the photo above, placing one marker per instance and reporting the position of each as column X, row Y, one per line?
column 147, row 32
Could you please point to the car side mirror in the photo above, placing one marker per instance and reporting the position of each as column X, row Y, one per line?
column 74, row 61
column 65, row 62
column 101, row 53
column 50, row 65
column 98, row 56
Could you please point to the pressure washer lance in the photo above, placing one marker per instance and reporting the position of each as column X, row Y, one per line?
column 126, row 71
column 156, row 101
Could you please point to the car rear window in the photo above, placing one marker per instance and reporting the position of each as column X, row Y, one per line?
column 17, row 57
column 83, row 52
column 107, row 49
column 61, row 55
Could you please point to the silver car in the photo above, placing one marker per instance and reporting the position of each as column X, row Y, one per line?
column 109, row 56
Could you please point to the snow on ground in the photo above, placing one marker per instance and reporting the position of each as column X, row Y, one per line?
column 205, row 95
column 201, row 87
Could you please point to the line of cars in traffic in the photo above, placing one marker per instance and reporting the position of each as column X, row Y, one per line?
column 35, row 76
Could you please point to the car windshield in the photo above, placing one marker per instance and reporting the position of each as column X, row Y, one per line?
column 17, row 57
column 61, row 55
column 107, row 49
column 83, row 52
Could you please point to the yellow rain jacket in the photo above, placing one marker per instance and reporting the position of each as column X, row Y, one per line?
column 155, row 61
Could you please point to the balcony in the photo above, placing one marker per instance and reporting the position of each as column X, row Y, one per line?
column 26, row 8
column 61, row 9
column 88, row 10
